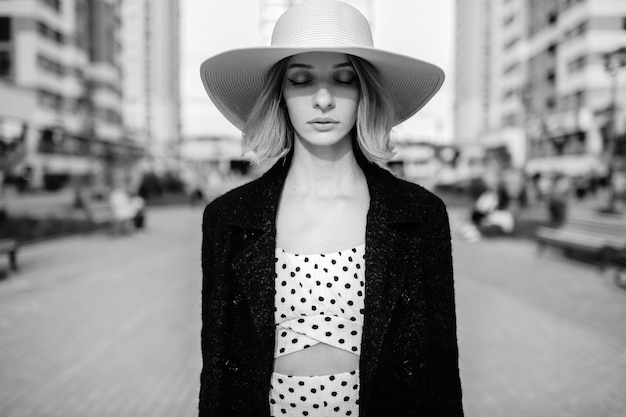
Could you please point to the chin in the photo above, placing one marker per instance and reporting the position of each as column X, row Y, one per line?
column 323, row 140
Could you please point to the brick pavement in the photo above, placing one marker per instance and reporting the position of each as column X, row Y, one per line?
column 115, row 332
column 538, row 335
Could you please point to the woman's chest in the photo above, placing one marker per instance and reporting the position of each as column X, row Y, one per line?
column 316, row 226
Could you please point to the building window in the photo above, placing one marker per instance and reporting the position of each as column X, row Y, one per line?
column 54, row 4
column 511, row 43
column 510, row 120
column 49, row 33
column 577, row 64
column 109, row 116
column 580, row 98
column 509, row 94
column 50, row 100
column 5, row 29
column 553, row 17
column 5, row 64
column 51, row 66
column 511, row 68
column 50, row 140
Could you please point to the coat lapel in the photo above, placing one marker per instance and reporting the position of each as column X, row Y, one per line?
column 253, row 223
column 391, row 209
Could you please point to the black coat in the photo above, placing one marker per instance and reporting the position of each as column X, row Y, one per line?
column 409, row 358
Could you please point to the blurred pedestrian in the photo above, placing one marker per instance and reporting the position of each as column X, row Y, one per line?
column 476, row 187
column 196, row 196
column 504, row 197
column 522, row 194
column 296, row 319
column 557, row 199
column 3, row 211
column 593, row 183
column 535, row 180
column 129, row 212
column 122, row 209
column 23, row 179
column 485, row 204
column 581, row 186
column 139, row 212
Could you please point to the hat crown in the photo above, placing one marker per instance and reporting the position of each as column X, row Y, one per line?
column 322, row 23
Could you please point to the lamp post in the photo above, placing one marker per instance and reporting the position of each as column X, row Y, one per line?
column 613, row 61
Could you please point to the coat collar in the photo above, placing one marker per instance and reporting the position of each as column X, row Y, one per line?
column 258, row 207
column 391, row 210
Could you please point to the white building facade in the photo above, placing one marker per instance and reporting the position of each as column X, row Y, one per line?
column 569, row 89
column 472, row 57
column 60, row 80
column 150, row 64
column 540, row 89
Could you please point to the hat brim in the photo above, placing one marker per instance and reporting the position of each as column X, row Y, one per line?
column 235, row 79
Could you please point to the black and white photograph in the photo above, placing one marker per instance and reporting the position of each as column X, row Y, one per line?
column 374, row 208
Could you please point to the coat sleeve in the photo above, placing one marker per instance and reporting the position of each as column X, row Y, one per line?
column 444, row 369
column 213, row 313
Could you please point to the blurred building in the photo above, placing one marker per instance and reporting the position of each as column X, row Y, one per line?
column 150, row 36
column 60, row 83
column 204, row 155
column 472, row 60
column 531, row 79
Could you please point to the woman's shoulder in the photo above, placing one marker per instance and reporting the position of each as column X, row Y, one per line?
column 234, row 199
column 410, row 192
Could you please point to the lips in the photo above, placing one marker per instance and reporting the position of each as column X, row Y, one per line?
column 323, row 121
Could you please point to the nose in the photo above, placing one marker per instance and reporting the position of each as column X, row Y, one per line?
column 323, row 99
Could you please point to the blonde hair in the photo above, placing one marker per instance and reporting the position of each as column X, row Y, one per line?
column 268, row 132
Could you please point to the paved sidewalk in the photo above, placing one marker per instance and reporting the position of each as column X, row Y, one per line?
column 538, row 336
column 105, row 326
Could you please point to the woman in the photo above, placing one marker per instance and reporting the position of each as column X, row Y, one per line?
column 327, row 282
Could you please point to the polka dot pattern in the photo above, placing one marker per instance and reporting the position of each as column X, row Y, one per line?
column 319, row 299
column 315, row 396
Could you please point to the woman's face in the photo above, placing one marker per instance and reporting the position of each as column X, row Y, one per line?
column 321, row 91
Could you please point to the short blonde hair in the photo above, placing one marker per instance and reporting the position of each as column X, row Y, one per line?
column 268, row 132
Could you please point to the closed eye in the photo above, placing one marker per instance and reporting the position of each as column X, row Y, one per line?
column 346, row 80
column 298, row 82
column 345, row 77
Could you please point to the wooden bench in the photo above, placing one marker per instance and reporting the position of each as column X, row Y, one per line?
column 602, row 235
column 10, row 247
column 99, row 213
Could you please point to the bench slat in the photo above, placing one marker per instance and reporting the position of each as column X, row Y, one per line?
column 604, row 235
column 99, row 213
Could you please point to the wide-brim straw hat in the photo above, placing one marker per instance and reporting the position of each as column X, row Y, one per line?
column 235, row 79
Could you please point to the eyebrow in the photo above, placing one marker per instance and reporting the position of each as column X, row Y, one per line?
column 306, row 66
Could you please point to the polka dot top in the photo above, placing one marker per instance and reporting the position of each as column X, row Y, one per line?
column 319, row 299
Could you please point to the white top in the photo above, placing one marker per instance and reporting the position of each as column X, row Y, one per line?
column 319, row 298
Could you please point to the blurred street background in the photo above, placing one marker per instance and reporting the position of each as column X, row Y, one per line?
column 109, row 150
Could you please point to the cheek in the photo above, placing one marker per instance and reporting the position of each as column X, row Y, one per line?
column 294, row 106
column 351, row 106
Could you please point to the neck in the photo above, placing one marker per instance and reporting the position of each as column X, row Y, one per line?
column 324, row 172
